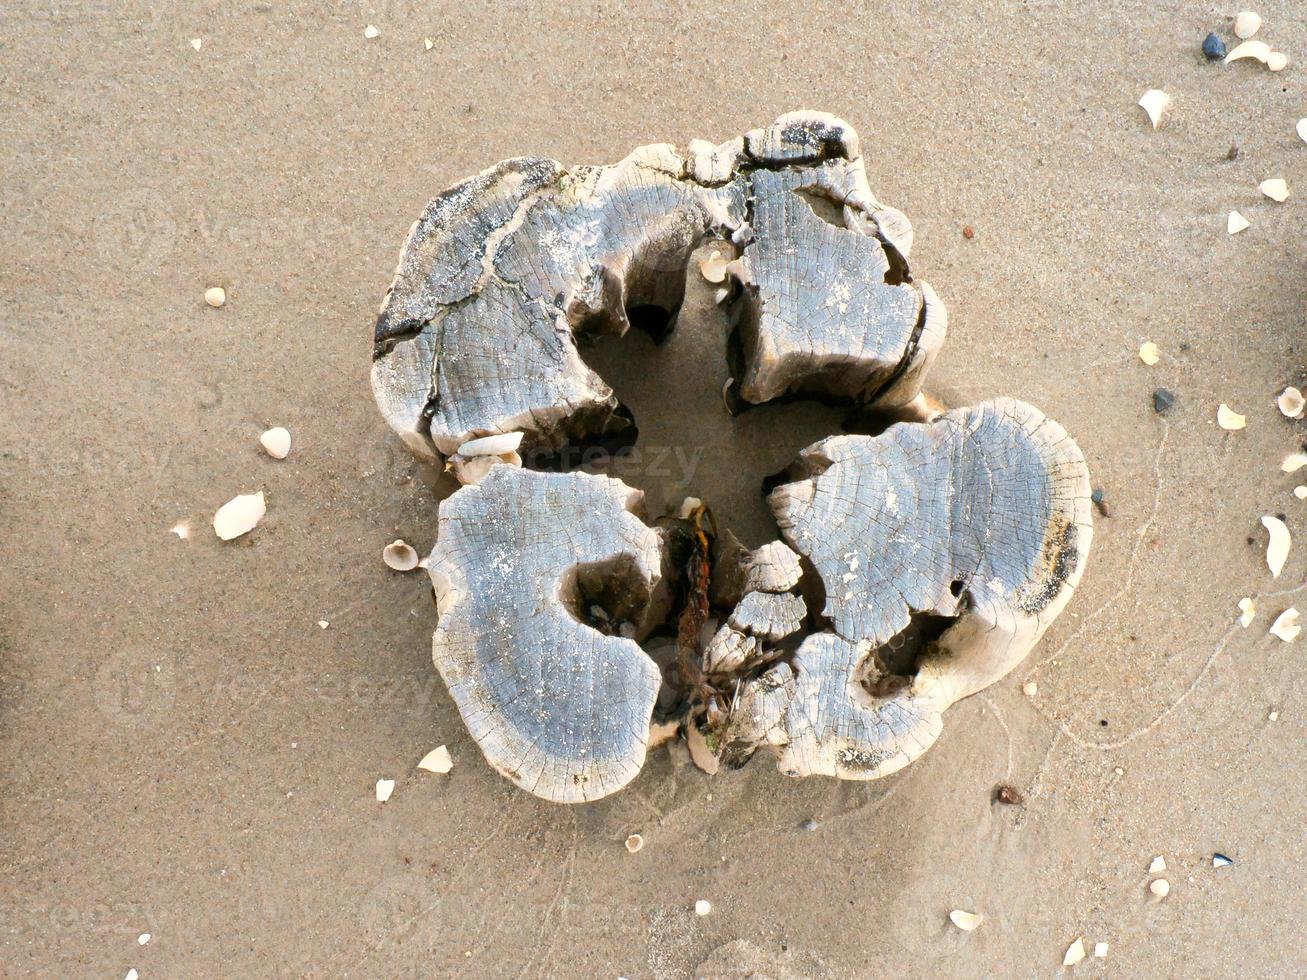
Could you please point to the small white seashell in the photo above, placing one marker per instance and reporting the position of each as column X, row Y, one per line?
column 1154, row 102
column 1158, row 865
column 1291, row 402
column 239, row 515
column 132, row 975
column 437, row 760
column 1301, row 129
column 215, row 296
column 1100, row 950
column 1149, row 353
column 323, row 623
column 1277, row 547
column 1287, row 626
column 384, row 788
column 702, row 907
column 197, row 43
column 713, row 267
column 966, row 921
column 1228, row 418
column 1249, row 49
column 1300, row 491
column 1275, row 188
column 428, row 43
column 276, row 442
column 142, row 939
column 1160, row 887
column 1293, row 462
column 500, row 444
column 1277, row 61
column 634, row 843
column 1074, row 953
column 1246, row 24
column 1247, row 611
column 1236, row 223
column 370, row 32
column 400, row 556
column 1030, row 689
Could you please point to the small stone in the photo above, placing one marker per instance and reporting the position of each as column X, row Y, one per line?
column 1097, row 497
column 142, row 939
column 384, row 788
column 968, row 232
column 215, row 296
column 702, row 907
column 1233, row 152
column 1008, row 795
column 370, row 32
column 1213, row 47
column 1273, row 716
column 1030, row 689
column 1160, row 887
column 1162, row 401
column 634, row 843
column 1246, row 24
column 810, row 824
column 1277, row 61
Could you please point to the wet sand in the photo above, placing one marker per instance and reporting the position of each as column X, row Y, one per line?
column 187, row 753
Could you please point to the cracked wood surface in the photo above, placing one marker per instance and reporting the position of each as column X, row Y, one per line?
column 505, row 272
column 982, row 516
column 556, row 705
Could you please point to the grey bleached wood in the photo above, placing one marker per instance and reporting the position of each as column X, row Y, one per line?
column 556, row 704
column 757, row 587
column 504, row 272
column 983, row 515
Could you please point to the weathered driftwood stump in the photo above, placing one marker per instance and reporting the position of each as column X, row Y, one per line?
column 917, row 567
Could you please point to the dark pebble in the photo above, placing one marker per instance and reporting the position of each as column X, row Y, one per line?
column 1233, row 153
column 1009, row 795
column 1213, row 47
column 1100, row 503
column 1162, row 401
column 810, row 824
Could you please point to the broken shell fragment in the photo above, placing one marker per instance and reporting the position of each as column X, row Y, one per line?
column 1221, row 861
column 1246, row 24
column 1291, row 403
column 215, row 296
column 1277, row 61
column 1030, row 689
column 276, row 442
column 1158, row 865
column 1100, row 950
column 1277, row 545
column 197, row 43
column 1300, row 491
column 1247, row 611
column 1236, row 223
column 1227, row 418
column 400, row 556
column 385, row 787
column 1149, row 353
column 634, row 843
column 370, row 32
column 713, row 266
column 702, row 907
column 1276, row 188
column 1287, row 626
column 1160, row 887
column 1258, row 50
column 1301, row 129
column 438, row 760
column 239, row 515
column 1074, row 953
column 966, row 921
column 1293, row 462
column 496, row 445
column 1154, row 102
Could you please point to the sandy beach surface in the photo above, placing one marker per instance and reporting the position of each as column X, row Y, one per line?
column 187, row 753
